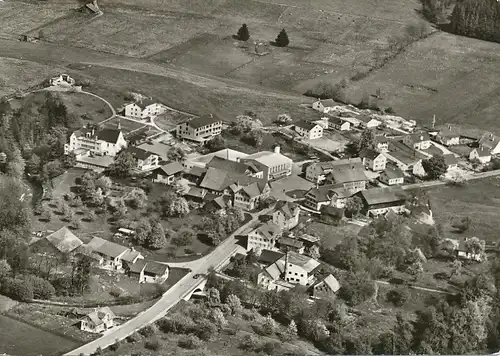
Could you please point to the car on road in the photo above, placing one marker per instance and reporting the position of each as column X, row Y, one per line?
column 196, row 276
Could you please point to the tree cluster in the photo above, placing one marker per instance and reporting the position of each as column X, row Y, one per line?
column 477, row 18
column 217, row 229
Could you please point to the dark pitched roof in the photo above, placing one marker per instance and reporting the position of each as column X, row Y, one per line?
column 489, row 141
column 138, row 266
column 328, row 102
column 156, row 268
column 268, row 257
column 449, row 131
column 196, row 192
column 482, row 151
column 145, row 102
column 325, row 192
column 227, row 165
column 287, row 208
column 170, row 168
column 369, row 153
column 108, row 135
column 111, row 249
column 336, row 120
column 419, row 136
column 392, row 171
column 349, row 172
column 375, row 196
column 218, row 180
column 305, row 125
column 139, row 153
column 203, row 121
column 450, row 159
column 287, row 241
column 196, row 171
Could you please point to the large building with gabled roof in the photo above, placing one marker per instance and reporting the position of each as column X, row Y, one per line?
column 94, row 140
column 200, row 129
column 59, row 243
column 143, row 109
column 273, row 164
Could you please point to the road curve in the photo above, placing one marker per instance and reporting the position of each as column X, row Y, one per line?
column 215, row 260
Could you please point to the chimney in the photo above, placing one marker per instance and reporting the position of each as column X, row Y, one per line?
column 93, row 130
column 277, row 149
column 449, row 127
column 421, row 138
column 119, row 125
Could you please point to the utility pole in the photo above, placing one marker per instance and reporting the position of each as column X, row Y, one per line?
column 433, row 121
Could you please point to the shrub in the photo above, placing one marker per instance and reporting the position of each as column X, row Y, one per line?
column 115, row 346
column 17, row 289
column 390, row 111
column 42, row 289
column 147, row 331
column 205, row 330
column 270, row 347
column 135, row 337
column 249, row 343
column 115, row 292
column 189, row 342
column 152, row 344
column 398, row 296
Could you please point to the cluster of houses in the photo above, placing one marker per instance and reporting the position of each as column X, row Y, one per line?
column 65, row 245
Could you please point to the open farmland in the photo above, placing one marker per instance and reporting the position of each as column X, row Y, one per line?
column 455, row 78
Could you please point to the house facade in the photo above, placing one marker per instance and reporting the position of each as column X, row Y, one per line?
column 263, row 237
column 144, row 109
column 480, row 154
column 145, row 160
column 490, row 142
column 381, row 143
column 349, row 173
column 339, row 124
column 374, row 160
column 200, row 130
column 448, row 136
column 368, row 122
column 327, row 195
column 167, row 173
column 286, row 215
column 379, row 201
column 101, row 142
column 98, row 321
column 148, row 271
column 392, row 175
column 325, row 288
column 107, row 254
column 309, row 130
column 250, row 196
column 417, row 140
column 323, row 106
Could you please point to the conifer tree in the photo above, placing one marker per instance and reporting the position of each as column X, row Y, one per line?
column 282, row 39
column 243, row 34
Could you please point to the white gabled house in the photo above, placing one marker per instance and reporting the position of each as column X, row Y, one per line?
column 481, row 154
column 144, row 109
column 323, row 106
column 98, row 321
column 145, row 160
column 96, row 141
column 490, row 142
column 309, row 130
column 148, row 271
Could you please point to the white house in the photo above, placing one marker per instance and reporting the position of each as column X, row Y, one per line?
column 448, row 136
column 285, row 215
column 98, row 321
column 200, row 129
column 340, row 124
column 417, row 140
column 392, row 175
column 109, row 254
column 327, row 195
column 482, row 154
column 101, row 142
column 145, row 160
column 368, row 122
column 274, row 165
column 324, row 122
column 309, row 130
column 490, row 142
column 324, row 288
column 323, row 105
column 144, row 109
column 374, row 160
column 263, row 237
column 62, row 80
column 148, row 271
column 381, row 143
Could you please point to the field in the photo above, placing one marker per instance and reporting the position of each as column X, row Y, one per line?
column 479, row 200
column 127, row 125
column 448, row 76
column 13, row 339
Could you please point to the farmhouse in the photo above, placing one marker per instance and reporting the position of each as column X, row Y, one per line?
column 309, row 130
column 158, row 148
column 450, row 160
column 98, row 321
column 392, row 175
column 368, row 122
column 340, row 124
column 145, row 160
column 374, row 160
column 417, row 140
column 286, row 244
column 350, row 173
column 62, row 80
column 378, row 201
column 102, row 142
column 490, row 142
column 324, row 122
column 144, row 109
column 323, row 106
column 335, row 195
column 108, row 254
column 60, row 243
column 407, row 159
column 448, row 136
column 263, row 237
column 196, row 194
column 285, row 215
column 248, row 197
column 95, row 163
column 194, row 174
column 324, row 288
column 316, row 172
column 273, row 164
column 167, row 173
column 481, row 154
column 148, row 271
column 458, row 248
column 200, row 129
column 268, row 257
column 244, row 168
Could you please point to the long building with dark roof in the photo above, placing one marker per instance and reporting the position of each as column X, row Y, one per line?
column 200, row 129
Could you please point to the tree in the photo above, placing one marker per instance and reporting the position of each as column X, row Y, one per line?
column 104, row 183
column 123, row 165
column 91, row 216
column 213, row 296
column 353, row 206
column 398, row 296
column 291, row 330
column 218, row 318
column 33, row 164
column 243, row 34
column 268, row 326
column 142, row 233
column 234, row 304
column 16, row 164
column 345, row 255
column 184, row 237
column 367, row 140
column 313, row 252
column 282, row 39
column 365, row 101
column 176, row 154
column 178, row 207
column 284, row 119
column 5, row 269
column 357, row 288
column 156, row 238
column 255, row 137
column 475, row 247
column 217, row 143
column 435, row 166
column 136, row 198
column 80, row 274
column 462, row 225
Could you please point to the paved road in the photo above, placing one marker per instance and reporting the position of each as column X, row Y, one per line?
column 467, row 177
column 216, row 259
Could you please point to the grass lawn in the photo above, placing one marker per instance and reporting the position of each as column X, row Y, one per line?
column 331, row 235
column 479, row 200
column 18, row 338
column 126, row 125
